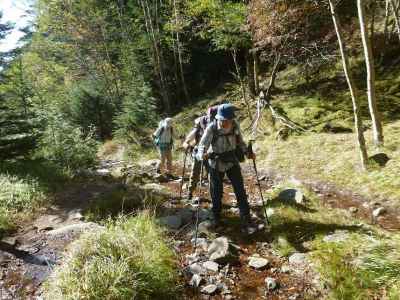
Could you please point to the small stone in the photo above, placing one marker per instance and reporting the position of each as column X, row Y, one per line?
column 197, row 269
column 258, row 262
column 211, row 266
column 196, row 280
column 379, row 211
column 103, row 172
column 172, row 222
column 298, row 259
column 285, row 269
column 192, row 258
column 353, row 209
column 222, row 251
column 270, row 212
column 270, row 283
column 337, row 237
column 209, row 289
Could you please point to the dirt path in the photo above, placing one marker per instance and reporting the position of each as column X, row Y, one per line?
column 28, row 257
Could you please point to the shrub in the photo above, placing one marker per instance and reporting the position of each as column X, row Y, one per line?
column 128, row 260
column 66, row 145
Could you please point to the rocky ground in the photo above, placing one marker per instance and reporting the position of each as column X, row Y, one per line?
column 223, row 265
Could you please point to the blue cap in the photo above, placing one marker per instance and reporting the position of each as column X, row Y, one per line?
column 225, row 112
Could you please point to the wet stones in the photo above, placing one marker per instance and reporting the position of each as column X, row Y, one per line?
column 209, row 289
column 211, row 266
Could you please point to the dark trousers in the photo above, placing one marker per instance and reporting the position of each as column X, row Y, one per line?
column 216, row 190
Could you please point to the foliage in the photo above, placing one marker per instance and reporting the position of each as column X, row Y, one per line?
column 127, row 260
column 66, row 145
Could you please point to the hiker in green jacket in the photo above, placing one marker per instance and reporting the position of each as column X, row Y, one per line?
column 164, row 138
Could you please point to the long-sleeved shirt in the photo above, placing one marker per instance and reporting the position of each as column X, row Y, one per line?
column 222, row 142
column 194, row 136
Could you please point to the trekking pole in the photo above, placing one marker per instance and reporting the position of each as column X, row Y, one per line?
column 198, row 205
column 183, row 173
column 250, row 149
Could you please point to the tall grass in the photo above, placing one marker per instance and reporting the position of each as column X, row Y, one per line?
column 128, row 260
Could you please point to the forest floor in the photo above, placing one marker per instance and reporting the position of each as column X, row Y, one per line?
column 29, row 256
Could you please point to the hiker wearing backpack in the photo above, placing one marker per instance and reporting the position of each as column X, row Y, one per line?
column 191, row 142
column 164, row 139
column 223, row 145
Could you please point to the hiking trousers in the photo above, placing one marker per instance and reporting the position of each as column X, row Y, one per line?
column 165, row 159
column 216, row 190
column 195, row 174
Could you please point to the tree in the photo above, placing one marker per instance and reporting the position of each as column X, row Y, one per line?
column 369, row 62
column 352, row 88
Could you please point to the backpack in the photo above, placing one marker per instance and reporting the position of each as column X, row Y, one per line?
column 158, row 136
column 230, row 155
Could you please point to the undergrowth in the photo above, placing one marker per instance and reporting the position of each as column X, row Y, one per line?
column 129, row 259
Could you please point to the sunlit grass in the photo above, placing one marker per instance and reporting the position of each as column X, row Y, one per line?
column 128, row 260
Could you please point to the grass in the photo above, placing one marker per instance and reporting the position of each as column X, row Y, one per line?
column 130, row 259
column 25, row 187
column 366, row 265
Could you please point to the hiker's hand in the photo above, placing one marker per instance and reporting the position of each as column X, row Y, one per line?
column 205, row 156
column 185, row 145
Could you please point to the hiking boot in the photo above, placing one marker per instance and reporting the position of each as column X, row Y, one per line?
column 248, row 227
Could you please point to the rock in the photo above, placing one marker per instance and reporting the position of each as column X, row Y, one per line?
column 196, row 280
column 270, row 283
column 103, row 172
column 262, row 178
column 47, row 222
column 258, row 263
column 290, row 195
column 378, row 212
column 11, row 240
column 298, row 259
column 270, row 212
column 192, row 258
column 74, row 229
column 285, row 269
column 201, row 242
column 234, row 210
column 337, row 237
column 353, row 209
column 380, row 158
column 75, row 216
column 205, row 226
column 154, row 192
column 197, row 269
column 209, row 289
column 222, row 251
column 186, row 215
column 211, row 266
column 151, row 163
column 172, row 222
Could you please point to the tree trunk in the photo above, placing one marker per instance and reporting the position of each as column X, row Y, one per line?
column 273, row 76
column 353, row 91
column 369, row 62
column 396, row 16
column 250, row 74
column 178, row 42
column 243, row 89
column 385, row 31
column 256, row 71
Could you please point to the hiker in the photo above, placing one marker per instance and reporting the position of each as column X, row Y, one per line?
column 222, row 144
column 190, row 143
column 164, row 139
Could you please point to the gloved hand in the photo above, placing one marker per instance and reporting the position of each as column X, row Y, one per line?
column 185, row 145
column 251, row 155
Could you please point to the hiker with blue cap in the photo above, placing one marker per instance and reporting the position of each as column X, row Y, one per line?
column 223, row 145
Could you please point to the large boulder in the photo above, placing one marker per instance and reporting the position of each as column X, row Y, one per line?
column 292, row 195
column 223, row 251
column 172, row 222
